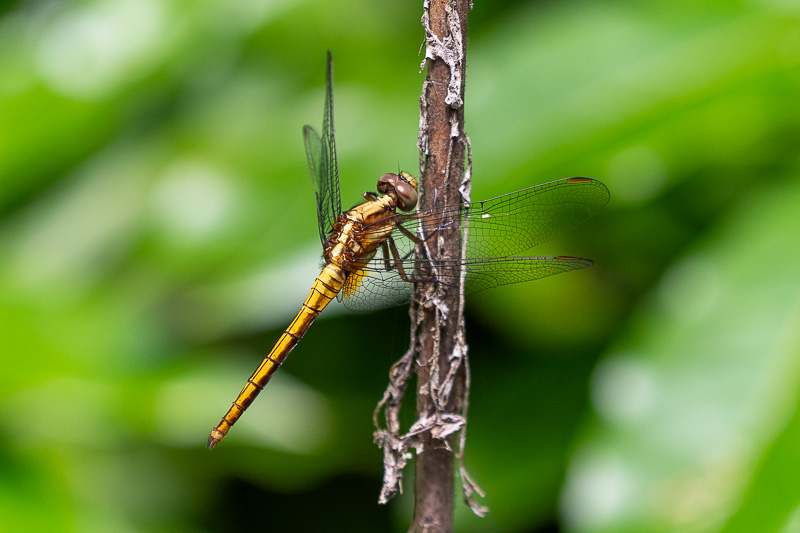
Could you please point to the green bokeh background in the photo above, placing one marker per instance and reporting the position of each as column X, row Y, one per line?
column 157, row 232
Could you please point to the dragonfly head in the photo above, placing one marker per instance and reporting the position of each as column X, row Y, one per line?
column 404, row 185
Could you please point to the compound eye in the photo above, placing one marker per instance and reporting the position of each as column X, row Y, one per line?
column 385, row 182
column 406, row 194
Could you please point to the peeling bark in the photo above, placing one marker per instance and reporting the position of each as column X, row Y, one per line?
column 438, row 352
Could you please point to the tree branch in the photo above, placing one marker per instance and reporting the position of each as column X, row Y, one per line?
column 440, row 335
column 438, row 352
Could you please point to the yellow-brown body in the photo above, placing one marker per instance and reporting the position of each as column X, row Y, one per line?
column 346, row 252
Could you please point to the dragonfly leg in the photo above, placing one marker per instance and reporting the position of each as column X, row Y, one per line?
column 391, row 255
column 390, row 249
column 415, row 238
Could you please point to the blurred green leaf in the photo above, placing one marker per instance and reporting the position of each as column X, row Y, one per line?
column 699, row 387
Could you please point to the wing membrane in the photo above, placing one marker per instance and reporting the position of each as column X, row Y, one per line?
column 376, row 288
column 322, row 163
column 497, row 229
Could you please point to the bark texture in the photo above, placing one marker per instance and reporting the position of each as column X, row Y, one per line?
column 438, row 352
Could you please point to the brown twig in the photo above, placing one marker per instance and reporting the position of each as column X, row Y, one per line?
column 438, row 352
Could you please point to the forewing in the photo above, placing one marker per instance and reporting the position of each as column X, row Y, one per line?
column 515, row 222
column 497, row 229
column 322, row 164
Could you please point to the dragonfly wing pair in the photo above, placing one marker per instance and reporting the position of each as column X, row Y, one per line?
column 497, row 229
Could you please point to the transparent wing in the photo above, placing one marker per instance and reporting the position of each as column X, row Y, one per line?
column 497, row 229
column 322, row 164
column 373, row 289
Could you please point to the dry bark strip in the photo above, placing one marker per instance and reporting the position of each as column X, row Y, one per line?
column 438, row 351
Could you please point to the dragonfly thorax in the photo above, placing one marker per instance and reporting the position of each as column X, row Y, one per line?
column 359, row 232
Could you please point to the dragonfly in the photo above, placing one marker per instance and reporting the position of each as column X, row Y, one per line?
column 369, row 250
